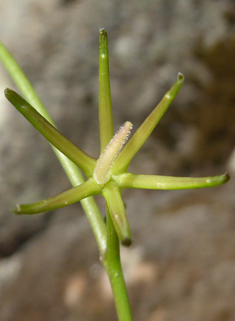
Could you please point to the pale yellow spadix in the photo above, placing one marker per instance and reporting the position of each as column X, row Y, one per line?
column 105, row 162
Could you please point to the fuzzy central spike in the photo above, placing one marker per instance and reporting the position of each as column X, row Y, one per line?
column 105, row 162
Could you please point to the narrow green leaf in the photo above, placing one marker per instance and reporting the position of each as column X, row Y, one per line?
column 71, row 196
column 129, row 180
column 105, row 104
column 143, row 132
column 112, row 194
column 75, row 154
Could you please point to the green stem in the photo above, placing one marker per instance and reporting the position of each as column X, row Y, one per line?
column 112, row 264
column 111, row 259
column 22, row 82
column 72, row 171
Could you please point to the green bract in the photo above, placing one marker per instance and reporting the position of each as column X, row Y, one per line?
column 108, row 175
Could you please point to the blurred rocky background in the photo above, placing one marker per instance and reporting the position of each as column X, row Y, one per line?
column 181, row 265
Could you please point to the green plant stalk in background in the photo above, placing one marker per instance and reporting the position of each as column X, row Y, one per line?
column 106, row 175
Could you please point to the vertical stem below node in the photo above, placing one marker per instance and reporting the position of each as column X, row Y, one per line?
column 112, row 264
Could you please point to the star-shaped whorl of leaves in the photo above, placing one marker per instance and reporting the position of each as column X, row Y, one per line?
column 108, row 174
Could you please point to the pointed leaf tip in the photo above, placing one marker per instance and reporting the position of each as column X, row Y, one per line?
column 10, row 94
column 6, row 91
column 225, row 178
column 15, row 99
column 16, row 209
column 102, row 31
column 180, row 77
column 126, row 241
